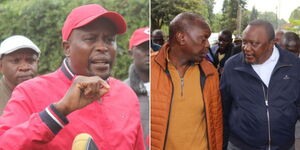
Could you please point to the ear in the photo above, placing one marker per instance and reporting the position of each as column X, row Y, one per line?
column 66, row 47
column 180, row 38
column 272, row 43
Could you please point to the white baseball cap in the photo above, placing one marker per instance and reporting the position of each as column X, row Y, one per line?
column 15, row 43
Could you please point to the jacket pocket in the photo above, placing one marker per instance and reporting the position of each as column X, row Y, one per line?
column 283, row 120
column 249, row 124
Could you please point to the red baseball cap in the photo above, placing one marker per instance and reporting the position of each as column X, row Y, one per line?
column 86, row 14
column 139, row 36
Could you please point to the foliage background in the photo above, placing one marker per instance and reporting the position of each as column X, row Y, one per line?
column 162, row 12
column 295, row 21
column 42, row 20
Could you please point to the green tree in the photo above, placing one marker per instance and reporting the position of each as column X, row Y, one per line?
column 272, row 18
column 215, row 25
column 162, row 12
column 196, row 6
column 210, row 8
column 245, row 18
column 136, row 14
column 295, row 15
column 295, row 26
column 254, row 14
column 229, row 11
column 294, row 21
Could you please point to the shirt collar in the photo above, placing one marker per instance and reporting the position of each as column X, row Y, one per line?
column 275, row 55
column 67, row 70
column 168, row 59
column 191, row 63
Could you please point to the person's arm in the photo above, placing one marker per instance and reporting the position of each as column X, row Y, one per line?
column 298, row 100
column 20, row 128
column 298, row 105
column 226, row 105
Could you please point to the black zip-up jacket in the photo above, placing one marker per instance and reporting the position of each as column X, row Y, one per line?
column 257, row 117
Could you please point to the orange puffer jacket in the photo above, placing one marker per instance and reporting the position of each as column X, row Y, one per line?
column 161, row 95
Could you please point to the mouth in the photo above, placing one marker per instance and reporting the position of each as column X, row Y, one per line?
column 100, row 64
column 249, row 58
column 24, row 77
column 248, row 55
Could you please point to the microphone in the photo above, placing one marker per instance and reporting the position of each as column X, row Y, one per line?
column 84, row 141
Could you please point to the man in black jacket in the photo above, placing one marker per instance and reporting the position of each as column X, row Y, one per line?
column 223, row 50
column 260, row 93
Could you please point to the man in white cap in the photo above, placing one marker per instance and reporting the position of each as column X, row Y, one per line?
column 18, row 62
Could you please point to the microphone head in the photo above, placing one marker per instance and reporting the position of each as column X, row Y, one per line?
column 84, row 141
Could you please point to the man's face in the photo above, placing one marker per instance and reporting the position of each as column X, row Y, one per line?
column 158, row 39
column 292, row 46
column 91, row 49
column 140, row 56
column 256, row 45
column 237, row 42
column 197, row 41
column 224, row 41
column 19, row 66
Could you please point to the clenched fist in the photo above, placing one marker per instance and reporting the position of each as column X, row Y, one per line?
column 83, row 91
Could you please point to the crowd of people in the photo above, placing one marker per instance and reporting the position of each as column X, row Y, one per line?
column 182, row 92
column 254, row 107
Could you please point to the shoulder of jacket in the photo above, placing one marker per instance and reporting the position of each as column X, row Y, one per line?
column 208, row 67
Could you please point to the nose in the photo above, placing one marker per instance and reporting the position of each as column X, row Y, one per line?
column 24, row 66
column 100, row 45
column 246, row 47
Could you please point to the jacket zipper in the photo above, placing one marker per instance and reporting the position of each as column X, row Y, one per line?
column 182, row 85
column 266, row 97
column 168, row 121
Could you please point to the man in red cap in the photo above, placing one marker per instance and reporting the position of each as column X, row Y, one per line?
column 186, row 110
column 80, row 97
column 138, row 78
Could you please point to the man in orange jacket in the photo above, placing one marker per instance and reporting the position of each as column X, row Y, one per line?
column 186, row 108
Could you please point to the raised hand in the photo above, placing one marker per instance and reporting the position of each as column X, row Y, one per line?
column 83, row 91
